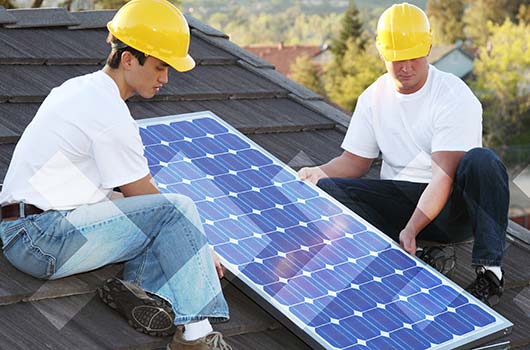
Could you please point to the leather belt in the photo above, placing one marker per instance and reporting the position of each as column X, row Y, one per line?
column 19, row 210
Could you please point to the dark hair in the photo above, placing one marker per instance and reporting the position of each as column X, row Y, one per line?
column 114, row 58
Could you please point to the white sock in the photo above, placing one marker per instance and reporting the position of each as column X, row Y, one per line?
column 196, row 330
column 496, row 270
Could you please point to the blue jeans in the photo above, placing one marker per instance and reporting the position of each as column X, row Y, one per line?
column 477, row 207
column 159, row 237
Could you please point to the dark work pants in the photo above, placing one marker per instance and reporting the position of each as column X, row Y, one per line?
column 477, row 207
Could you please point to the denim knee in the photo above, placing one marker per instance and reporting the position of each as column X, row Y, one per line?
column 186, row 207
column 480, row 161
column 327, row 185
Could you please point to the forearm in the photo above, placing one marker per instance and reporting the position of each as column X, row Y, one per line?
column 346, row 165
column 430, row 205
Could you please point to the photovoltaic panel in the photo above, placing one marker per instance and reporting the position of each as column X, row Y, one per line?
column 335, row 276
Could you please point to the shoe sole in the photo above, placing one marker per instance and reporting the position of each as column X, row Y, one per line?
column 150, row 316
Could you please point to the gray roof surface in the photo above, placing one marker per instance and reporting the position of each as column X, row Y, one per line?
column 39, row 49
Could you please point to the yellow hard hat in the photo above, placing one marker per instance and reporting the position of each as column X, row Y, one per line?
column 403, row 33
column 156, row 28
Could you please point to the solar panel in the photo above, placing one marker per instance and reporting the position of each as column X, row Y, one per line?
column 331, row 273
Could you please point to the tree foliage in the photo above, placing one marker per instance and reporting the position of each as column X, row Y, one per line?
column 502, row 81
column 347, row 78
column 446, row 20
column 351, row 29
column 307, row 73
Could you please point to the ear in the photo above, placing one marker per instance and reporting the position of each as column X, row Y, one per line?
column 126, row 60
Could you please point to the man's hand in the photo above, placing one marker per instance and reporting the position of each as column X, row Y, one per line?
column 312, row 174
column 407, row 240
column 217, row 262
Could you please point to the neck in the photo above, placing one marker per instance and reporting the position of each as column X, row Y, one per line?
column 119, row 78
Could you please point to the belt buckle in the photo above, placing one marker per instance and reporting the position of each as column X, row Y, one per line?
column 21, row 212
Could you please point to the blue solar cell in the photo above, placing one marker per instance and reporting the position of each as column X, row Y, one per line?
column 324, row 205
column 282, row 242
column 351, row 248
column 232, row 141
column 306, row 287
column 277, row 173
column 235, row 254
column 187, row 129
column 454, row 323
column 214, row 235
column 294, row 245
column 260, row 248
column 359, row 328
column 310, row 314
column 475, row 315
column 382, row 319
column 328, row 254
column 187, row 190
column 210, row 166
column 279, row 218
column 448, row 296
column 283, row 294
column 378, row 293
column 186, row 170
column 331, row 279
column 207, row 188
column 303, row 236
column 434, row 332
column 233, row 205
column 210, row 146
column 259, row 273
column 256, row 200
column 187, row 149
column 231, row 183
column 162, row 153
column 165, row 133
column 410, row 339
column 335, row 334
column 334, row 307
column 235, row 228
column 352, row 273
column 232, row 162
column 210, row 126
column 301, row 212
column 148, row 138
column 396, row 259
column 211, row 211
column 254, row 157
column 356, row 299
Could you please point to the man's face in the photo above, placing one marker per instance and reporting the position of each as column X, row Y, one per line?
column 409, row 75
column 147, row 79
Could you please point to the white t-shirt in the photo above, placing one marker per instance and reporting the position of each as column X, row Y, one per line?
column 81, row 144
column 444, row 115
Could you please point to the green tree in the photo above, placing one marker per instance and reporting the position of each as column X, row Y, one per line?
column 307, row 73
column 347, row 78
column 502, row 82
column 351, row 29
column 446, row 20
column 480, row 12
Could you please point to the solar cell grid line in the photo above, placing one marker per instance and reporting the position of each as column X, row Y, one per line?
column 337, row 278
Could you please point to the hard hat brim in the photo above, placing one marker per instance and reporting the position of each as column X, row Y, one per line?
column 182, row 64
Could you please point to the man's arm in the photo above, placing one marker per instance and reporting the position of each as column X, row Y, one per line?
column 347, row 165
column 434, row 197
column 145, row 185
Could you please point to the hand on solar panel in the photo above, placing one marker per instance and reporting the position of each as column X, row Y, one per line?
column 407, row 240
column 217, row 262
column 312, row 174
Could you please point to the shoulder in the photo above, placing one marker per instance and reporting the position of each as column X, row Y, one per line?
column 449, row 85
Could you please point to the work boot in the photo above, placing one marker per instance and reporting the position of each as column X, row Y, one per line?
column 487, row 287
column 145, row 312
column 211, row 341
column 442, row 259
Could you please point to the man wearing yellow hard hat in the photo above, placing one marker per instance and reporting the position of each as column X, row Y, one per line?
column 61, row 217
column 437, row 182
